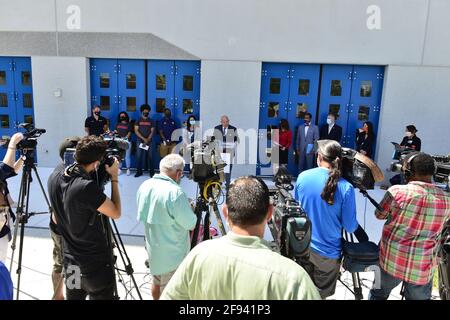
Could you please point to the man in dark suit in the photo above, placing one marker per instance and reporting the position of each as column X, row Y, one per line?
column 307, row 135
column 227, row 137
column 331, row 131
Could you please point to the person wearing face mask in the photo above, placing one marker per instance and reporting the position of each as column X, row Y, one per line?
column 190, row 134
column 365, row 138
column 96, row 124
column 331, row 131
column 166, row 127
column 144, row 130
column 409, row 143
column 410, row 140
column 79, row 206
column 307, row 135
column 164, row 209
column 124, row 129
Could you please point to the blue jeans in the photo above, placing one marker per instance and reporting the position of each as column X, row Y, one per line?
column 144, row 160
column 127, row 160
column 412, row 291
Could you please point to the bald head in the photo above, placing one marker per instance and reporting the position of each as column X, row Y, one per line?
column 224, row 121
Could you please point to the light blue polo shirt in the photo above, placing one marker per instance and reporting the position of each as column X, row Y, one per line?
column 327, row 220
column 164, row 209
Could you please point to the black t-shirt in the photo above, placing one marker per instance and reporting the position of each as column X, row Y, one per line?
column 59, row 170
column 145, row 127
column 75, row 201
column 123, row 129
column 5, row 173
column 95, row 126
column 413, row 143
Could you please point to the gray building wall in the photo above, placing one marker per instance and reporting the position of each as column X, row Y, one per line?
column 420, row 96
column 62, row 116
column 232, row 38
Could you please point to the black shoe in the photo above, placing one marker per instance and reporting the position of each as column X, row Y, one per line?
column 151, row 174
column 138, row 174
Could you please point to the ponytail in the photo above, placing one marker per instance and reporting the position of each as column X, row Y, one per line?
column 329, row 190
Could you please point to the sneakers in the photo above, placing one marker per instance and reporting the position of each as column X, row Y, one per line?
column 138, row 174
column 128, row 172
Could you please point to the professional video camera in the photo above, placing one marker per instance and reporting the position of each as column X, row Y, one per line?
column 29, row 142
column 360, row 170
column 290, row 227
column 400, row 153
column 206, row 163
column 442, row 175
column 207, row 168
column 116, row 149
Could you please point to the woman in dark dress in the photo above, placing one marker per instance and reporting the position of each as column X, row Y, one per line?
column 365, row 139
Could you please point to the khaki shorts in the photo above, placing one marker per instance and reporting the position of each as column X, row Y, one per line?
column 57, row 252
column 162, row 280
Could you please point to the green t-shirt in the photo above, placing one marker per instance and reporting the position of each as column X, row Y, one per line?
column 237, row 267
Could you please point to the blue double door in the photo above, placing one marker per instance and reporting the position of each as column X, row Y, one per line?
column 16, row 96
column 288, row 91
column 354, row 94
column 124, row 85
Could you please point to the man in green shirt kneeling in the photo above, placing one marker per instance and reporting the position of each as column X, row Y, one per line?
column 241, row 265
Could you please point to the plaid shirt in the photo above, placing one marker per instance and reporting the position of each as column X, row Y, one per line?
column 416, row 214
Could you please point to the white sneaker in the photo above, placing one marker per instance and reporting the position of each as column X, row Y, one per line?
column 128, row 172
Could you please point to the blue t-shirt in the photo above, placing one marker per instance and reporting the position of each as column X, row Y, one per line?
column 6, row 285
column 327, row 220
column 168, row 126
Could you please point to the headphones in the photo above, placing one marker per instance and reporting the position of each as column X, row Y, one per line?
column 409, row 171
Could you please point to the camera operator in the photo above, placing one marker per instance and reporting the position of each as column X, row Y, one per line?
column 8, row 168
column 164, row 209
column 57, row 276
column 329, row 202
column 241, row 256
column 415, row 214
column 79, row 205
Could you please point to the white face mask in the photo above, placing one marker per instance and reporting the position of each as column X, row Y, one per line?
column 408, row 134
column 192, row 122
column 330, row 121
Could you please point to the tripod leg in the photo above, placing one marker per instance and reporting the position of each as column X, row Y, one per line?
column 198, row 213
column 357, row 286
column 206, row 225
column 19, row 212
column 22, row 230
column 42, row 189
column 123, row 256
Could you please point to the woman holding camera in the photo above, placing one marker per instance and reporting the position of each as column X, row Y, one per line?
column 329, row 202
column 124, row 130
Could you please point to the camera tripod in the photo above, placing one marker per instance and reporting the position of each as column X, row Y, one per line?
column 115, row 241
column 206, row 201
column 22, row 212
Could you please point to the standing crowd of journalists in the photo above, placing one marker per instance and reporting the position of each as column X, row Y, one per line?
column 414, row 208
